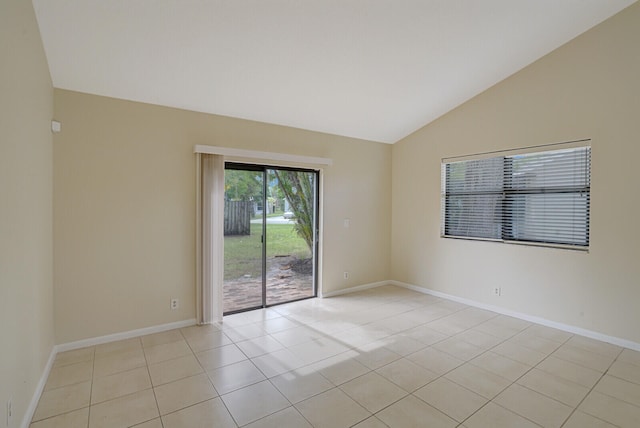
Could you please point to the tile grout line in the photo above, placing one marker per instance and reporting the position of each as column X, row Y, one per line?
column 153, row 389
column 222, row 399
column 93, row 370
column 266, row 379
column 512, row 382
column 441, row 375
column 203, row 372
column 404, row 356
column 338, row 387
column 528, row 371
column 592, row 389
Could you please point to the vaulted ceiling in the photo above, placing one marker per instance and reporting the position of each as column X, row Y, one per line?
column 370, row 69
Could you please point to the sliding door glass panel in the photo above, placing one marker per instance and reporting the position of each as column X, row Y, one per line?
column 243, row 248
column 270, row 236
column 291, row 218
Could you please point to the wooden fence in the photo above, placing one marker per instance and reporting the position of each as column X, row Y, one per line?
column 237, row 217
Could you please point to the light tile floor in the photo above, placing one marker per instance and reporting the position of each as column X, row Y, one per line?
column 386, row 357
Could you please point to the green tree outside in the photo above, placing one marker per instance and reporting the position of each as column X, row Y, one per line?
column 298, row 189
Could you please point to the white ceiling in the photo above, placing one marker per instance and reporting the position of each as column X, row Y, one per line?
column 371, row 69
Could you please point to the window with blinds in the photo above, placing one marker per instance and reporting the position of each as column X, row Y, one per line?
column 538, row 198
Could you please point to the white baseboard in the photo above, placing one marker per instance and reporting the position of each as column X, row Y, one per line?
column 31, row 409
column 625, row 343
column 354, row 289
column 526, row 317
column 92, row 342
column 123, row 335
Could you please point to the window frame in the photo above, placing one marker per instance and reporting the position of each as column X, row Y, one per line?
column 506, row 219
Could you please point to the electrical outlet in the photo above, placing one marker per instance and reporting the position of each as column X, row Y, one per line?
column 497, row 291
column 175, row 304
column 346, row 275
column 9, row 411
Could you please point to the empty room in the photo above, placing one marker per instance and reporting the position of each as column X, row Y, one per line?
column 319, row 214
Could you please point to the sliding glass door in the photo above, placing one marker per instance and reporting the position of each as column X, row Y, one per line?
column 291, row 235
column 271, row 226
column 242, row 286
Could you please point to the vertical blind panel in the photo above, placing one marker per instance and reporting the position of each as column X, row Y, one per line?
column 537, row 197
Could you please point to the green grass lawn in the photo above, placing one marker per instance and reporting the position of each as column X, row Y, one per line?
column 243, row 254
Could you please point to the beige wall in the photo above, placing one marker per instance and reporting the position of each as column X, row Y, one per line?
column 124, row 209
column 589, row 88
column 26, row 189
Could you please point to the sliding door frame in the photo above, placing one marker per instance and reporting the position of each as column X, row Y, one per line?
column 209, row 294
column 264, row 168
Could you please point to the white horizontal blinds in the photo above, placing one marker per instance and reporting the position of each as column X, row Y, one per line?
column 538, row 197
column 473, row 198
column 547, row 197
